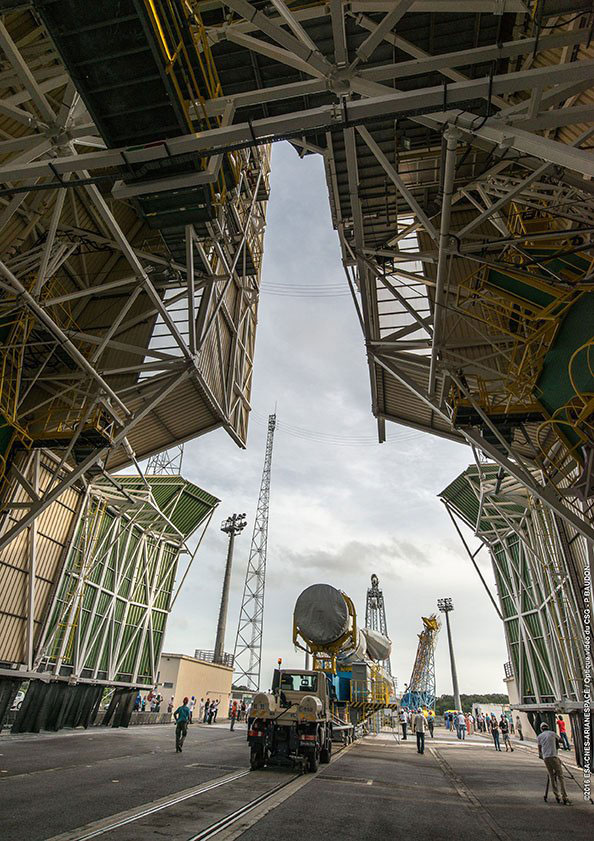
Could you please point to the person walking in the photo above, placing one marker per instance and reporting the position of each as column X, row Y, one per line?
column 519, row 728
column 563, row 733
column 420, row 728
column 504, row 727
column 233, row 714
column 461, row 723
column 182, row 717
column 547, row 750
column 495, row 733
column 403, row 724
column 206, row 711
column 431, row 722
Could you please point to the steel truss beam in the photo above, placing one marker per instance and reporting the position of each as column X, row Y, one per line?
column 268, row 129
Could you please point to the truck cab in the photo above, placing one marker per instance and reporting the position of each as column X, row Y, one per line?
column 293, row 723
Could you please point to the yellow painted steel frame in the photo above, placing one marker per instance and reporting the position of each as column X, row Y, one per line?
column 530, row 327
column 577, row 416
column 163, row 17
column 325, row 658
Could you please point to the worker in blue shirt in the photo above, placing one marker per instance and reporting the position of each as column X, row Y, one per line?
column 182, row 717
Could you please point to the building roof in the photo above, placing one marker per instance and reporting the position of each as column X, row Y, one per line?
column 196, row 660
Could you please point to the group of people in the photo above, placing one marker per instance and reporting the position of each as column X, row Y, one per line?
column 462, row 722
column 419, row 721
column 500, row 728
column 150, row 703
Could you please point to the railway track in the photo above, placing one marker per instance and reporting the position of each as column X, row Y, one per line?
column 109, row 825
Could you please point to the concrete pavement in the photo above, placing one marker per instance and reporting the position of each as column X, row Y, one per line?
column 57, row 784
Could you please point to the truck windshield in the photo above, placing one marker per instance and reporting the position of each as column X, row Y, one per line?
column 299, row 683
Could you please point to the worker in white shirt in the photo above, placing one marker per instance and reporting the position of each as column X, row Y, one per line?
column 403, row 723
column 461, row 723
column 547, row 750
column 420, row 728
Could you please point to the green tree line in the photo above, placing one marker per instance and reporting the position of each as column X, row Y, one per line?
column 446, row 702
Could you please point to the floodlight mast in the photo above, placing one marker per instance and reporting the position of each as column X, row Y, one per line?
column 232, row 526
column 445, row 606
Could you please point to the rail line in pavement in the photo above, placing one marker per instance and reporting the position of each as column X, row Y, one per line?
column 106, row 825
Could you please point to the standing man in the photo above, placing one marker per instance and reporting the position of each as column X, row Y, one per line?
column 420, row 728
column 206, row 711
column 504, row 727
column 216, row 709
column 431, row 721
column 192, row 704
column 563, row 733
column 519, row 728
column 461, row 723
column 547, row 750
column 233, row 714
column 403, row 723
column 182, row 717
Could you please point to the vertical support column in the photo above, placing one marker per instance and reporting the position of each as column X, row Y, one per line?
column 451, row 135
column 32, row 570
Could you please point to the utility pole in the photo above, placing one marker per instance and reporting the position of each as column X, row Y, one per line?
column 247, row 660
column 446, row 606
column 232, row 526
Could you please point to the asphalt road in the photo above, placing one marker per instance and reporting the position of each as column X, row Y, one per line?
column 377, row 788
column 52, row 783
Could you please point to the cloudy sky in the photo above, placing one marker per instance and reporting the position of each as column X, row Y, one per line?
column 338, row 513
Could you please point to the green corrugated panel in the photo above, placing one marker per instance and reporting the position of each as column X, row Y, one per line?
column 194, row 504
column 525, row 291
column 462, row 498
column 554, row 388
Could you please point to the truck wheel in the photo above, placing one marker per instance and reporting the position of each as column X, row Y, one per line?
column 326, row 753
column 313, row 761
column 256, row 758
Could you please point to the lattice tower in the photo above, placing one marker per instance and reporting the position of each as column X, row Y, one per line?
column 248, row 642
column 421, row 688
column 375, row 615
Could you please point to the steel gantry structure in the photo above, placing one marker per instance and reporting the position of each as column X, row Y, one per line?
column 134, row 179
column 375, row 615
column 127, row 312
column 538, row 563
column 459, row 187
column 87, row 591
column 420, row 691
